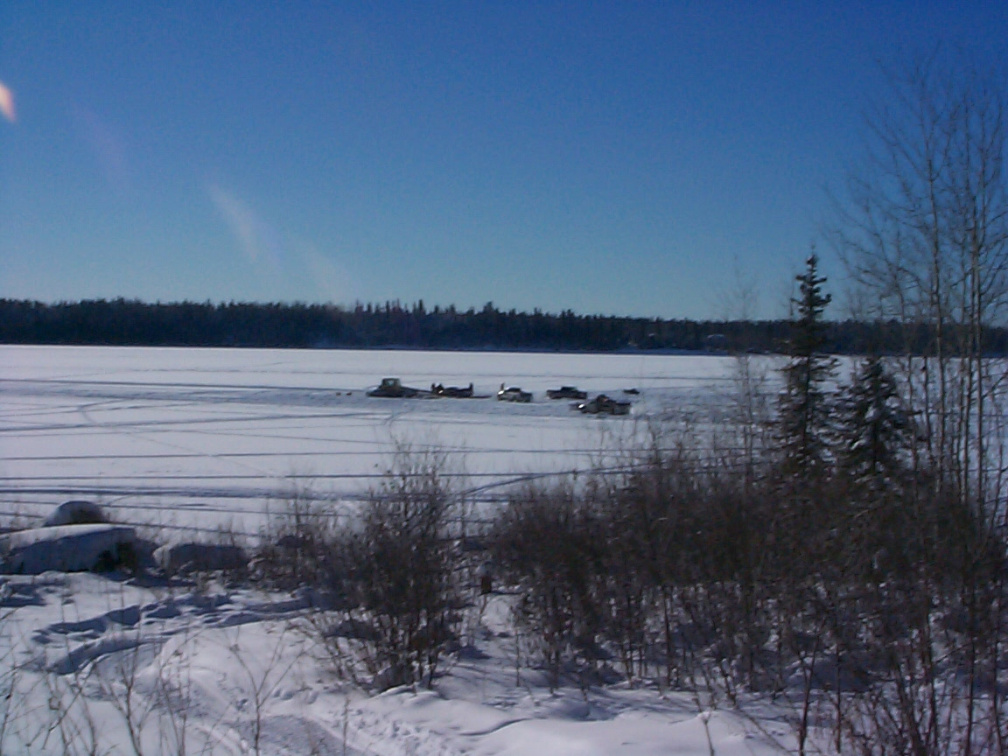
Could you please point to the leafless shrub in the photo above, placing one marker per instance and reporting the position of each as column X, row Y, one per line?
column 296, row 546
column 395, row 573
column 16, row 726
column 261, row 679
column 547, row 545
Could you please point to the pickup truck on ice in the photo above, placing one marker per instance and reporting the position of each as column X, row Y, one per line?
column 604, row 405
column 567, row 392
column 513, row 394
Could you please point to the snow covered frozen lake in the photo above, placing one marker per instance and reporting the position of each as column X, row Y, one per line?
column 200, row 437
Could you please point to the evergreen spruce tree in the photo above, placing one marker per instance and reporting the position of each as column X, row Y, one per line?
column 875, row 429
column 804, row 426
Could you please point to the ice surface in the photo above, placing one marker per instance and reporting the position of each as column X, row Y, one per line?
column 208, row 437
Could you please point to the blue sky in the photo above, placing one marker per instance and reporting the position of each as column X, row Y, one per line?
column 629, row 158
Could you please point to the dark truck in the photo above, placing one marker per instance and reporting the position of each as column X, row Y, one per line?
column 604, row 405
column 566, row 392
column 392, row 388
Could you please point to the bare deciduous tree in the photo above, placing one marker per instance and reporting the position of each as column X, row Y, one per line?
column 923, row 233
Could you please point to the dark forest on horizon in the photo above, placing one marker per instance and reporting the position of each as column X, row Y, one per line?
column 122, row 322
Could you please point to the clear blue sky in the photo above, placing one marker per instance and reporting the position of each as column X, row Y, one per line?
column 609, row 157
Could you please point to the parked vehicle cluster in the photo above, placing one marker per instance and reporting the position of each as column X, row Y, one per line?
column 602, row 404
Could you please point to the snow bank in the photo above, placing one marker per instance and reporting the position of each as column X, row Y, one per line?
column 66, row 548
column 75, row 513
column 201, row 557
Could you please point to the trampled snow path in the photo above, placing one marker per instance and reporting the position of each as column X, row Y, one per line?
column 239, row 670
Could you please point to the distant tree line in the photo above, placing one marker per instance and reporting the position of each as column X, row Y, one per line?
column 125, row 322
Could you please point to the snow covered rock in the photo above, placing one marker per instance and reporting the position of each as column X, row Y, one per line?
column 66, row 548
column 200, row 557
column 75, row 513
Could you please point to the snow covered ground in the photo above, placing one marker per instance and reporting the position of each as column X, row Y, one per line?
column 192, row 439
column 234, row 663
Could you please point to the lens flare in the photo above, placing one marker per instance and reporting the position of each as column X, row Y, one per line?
column 7, row 103
column 260, row 242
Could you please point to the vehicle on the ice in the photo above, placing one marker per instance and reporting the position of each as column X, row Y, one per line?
column 455, row 392
column 513, row 394
column 567, row 392
column 392, row 388
column 605, row 405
